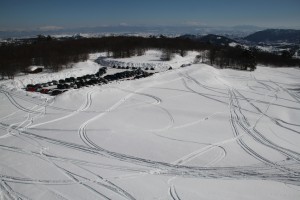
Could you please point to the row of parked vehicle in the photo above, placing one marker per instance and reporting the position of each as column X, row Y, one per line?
column 38, row 87
column 57, row 87
column 133, row 68
column 136, row 74
column 41, row 87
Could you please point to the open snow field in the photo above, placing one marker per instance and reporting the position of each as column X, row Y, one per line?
column 189, row 133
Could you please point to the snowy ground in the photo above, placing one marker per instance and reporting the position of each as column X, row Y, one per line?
column 189, row 133
column 151, row 59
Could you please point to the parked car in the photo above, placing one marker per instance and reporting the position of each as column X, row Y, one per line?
column 72, row 85
column 44, row 91
column 90, row 82
column 67, row 86
column 55, row 82
column 72, row 79
column 37, row 86
column 29, row 86
column 45, row 85
column 49, row 91
column 79, row 85
column 61, row 81
column 60, row 86
column 102, row 80
column 56, row 92
column 88, row 76
column 30, row 89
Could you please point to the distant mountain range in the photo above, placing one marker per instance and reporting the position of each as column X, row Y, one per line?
column 275, row 36
column 235, row 31
column 210, row 38
column 290, row 36
column 214, row 35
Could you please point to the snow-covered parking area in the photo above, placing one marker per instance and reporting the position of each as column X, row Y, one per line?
column 188, row 133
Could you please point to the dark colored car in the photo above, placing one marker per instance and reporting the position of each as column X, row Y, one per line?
column 60, row 86
column 37, row 86
column 79, row 85
column 44, row 91
column 45, row 85
column 29, row 86
column 56, row 92
column 67, row 86
column 72, row 85
column 102, row 81
column 61, row 81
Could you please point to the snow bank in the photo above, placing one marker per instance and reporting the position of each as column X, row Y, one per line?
column 151, row 59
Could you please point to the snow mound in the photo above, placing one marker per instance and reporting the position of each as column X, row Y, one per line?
column 151, row 59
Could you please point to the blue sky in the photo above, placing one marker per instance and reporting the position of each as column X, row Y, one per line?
column 52, row 14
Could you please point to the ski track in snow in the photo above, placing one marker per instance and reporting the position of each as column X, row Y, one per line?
column 81, row 172
column 85, row 105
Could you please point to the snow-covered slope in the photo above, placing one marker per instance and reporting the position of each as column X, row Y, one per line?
column 78, row 69
column 189, row 133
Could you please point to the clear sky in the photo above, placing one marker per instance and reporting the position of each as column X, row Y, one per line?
column 52, row 14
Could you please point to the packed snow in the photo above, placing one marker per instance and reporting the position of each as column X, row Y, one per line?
column 189, row 133
column 151, row 59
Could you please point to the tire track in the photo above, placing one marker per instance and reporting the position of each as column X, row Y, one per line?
column 213, row 89
column 262, row 139
column 243, row 123
column 17, row 105
column 235, row 119
column 86, row 105
column 188, row 171
column 201, row 94
column 173, row 193
column 183, row 160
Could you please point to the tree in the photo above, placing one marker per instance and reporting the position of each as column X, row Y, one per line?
column 166, row 55
column 183, row 53
column 212, row 55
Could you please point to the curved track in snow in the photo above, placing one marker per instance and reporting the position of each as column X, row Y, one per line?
column 190, row 148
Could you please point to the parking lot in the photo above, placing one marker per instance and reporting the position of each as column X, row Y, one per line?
column 56, row 87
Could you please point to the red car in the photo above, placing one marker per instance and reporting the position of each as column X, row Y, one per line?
column 30, row 89
column 44, row 91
